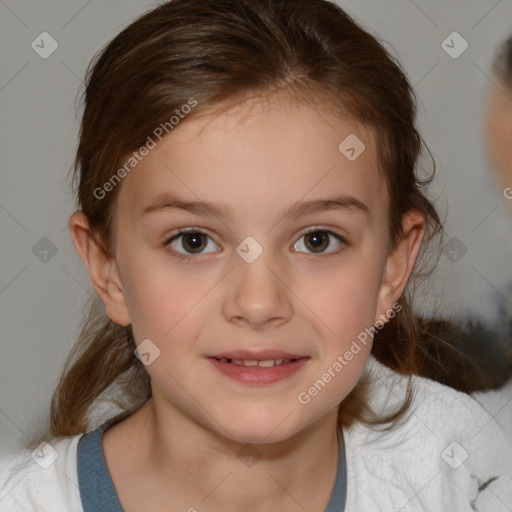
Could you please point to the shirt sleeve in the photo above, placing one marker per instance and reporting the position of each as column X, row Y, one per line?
column 42, row 480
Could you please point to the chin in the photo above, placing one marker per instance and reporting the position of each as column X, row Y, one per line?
column 254, row 428
column 253, row 435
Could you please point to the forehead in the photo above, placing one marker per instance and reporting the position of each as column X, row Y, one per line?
column 258, row 157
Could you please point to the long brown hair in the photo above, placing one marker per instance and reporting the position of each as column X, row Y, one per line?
column 218, row 52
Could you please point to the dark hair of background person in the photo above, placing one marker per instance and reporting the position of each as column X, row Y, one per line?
column 503, row 63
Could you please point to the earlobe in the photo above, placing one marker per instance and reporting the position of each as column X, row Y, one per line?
column 400, row 263
column 102, row 269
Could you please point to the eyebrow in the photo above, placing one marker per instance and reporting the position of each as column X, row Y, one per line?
column 221, row 210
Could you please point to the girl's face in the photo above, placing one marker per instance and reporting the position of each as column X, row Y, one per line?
column 248, row 284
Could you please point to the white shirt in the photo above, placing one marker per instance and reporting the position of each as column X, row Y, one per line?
column 498, row 403
column 435, row 461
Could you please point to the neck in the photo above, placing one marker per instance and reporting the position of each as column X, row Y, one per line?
column 218, row 473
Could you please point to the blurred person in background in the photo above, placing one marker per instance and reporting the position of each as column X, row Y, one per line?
column 478, row 357
column 497, row 127
column 498, row 123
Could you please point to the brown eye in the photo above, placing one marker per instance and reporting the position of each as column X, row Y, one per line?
column 192, row 242
column 318, row 240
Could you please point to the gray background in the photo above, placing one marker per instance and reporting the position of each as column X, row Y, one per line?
column 42, row 302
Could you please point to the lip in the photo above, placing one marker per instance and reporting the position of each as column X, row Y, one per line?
column 258, row 375
column 258, row 355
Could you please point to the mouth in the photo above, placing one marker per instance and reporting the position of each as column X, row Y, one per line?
column 261, row 368
column 265, row 363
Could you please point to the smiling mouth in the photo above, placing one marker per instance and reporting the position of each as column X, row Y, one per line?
column 262, row 371
column 261, row 363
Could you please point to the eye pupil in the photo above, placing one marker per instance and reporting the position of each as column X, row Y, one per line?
column 193, row 241
column 318, row 238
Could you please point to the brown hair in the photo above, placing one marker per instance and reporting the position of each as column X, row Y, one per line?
column 220, row 52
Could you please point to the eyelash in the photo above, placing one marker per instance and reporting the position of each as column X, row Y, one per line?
column 313, row 229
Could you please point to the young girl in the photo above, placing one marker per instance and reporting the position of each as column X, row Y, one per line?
column 251, row 220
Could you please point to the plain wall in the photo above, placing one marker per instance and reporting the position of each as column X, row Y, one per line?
column 42, row 302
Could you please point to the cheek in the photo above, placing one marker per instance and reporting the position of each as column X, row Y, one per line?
column 343, row 309
column 347, row 292
column 345, row 313
column 343, row 306
column 163, row 303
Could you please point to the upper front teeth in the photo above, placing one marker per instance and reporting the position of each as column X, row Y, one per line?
column 253, row 362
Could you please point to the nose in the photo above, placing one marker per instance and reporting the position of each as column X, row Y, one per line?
column 257, row 294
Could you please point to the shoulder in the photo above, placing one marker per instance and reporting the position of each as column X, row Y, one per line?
column 44, row 479
column 448, row 452
column 499, row 403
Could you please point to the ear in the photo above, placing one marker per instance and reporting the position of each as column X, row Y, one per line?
column 400, row 263
column 103, row 270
